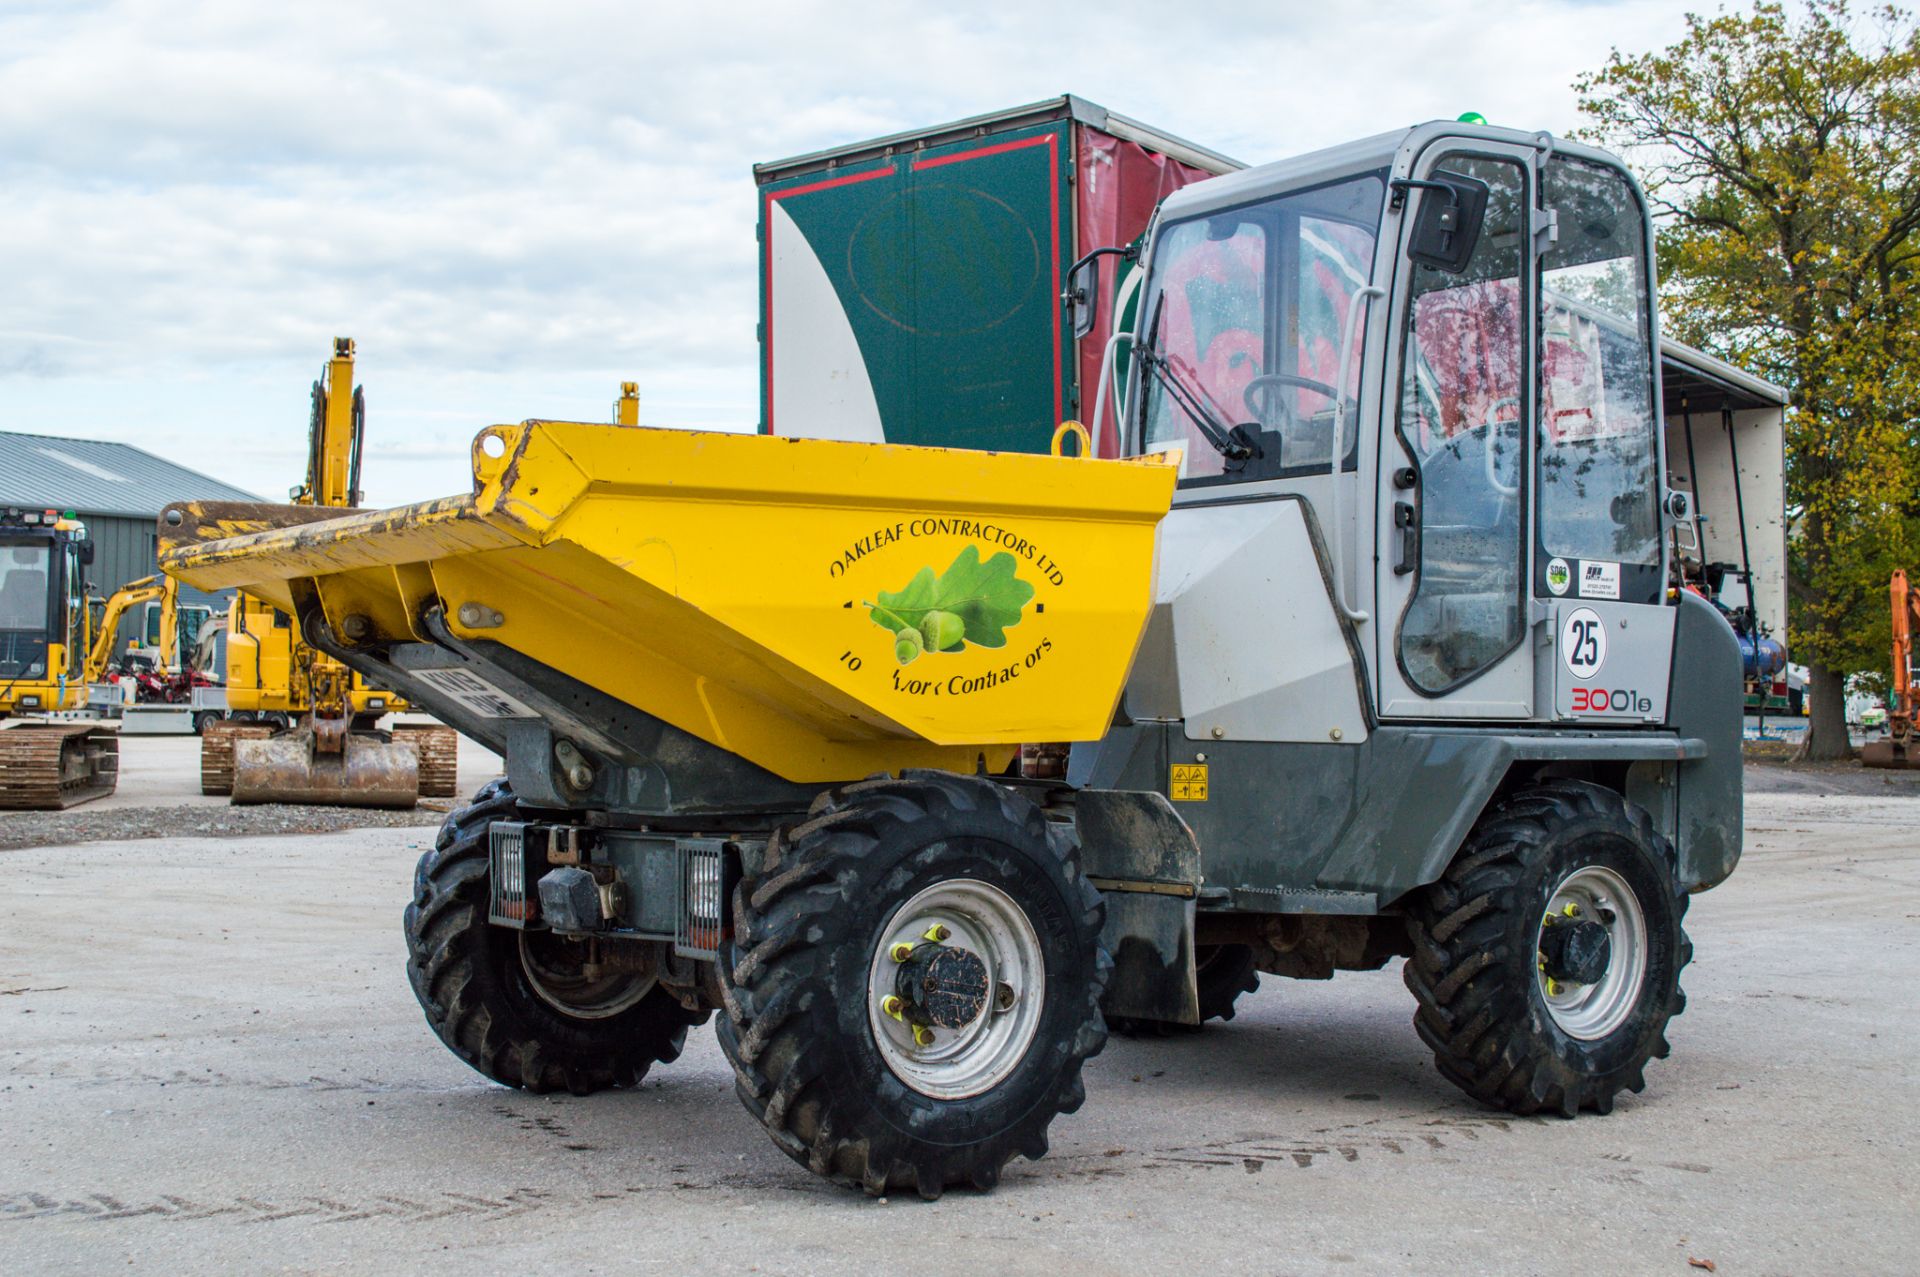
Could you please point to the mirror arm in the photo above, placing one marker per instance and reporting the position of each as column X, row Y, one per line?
column 1071, row 296
column 1401, row 185
column 1357, row 305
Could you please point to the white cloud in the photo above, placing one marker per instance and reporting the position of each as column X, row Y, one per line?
column 512, row 207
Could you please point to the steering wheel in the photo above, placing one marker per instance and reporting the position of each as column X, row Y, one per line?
column 1284, row 379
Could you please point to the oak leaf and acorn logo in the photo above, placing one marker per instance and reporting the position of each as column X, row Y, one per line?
column 975, row 601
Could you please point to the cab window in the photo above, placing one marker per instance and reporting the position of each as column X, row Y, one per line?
column 1243, row 321
column 1598, row 458
column 24, row 598
column 1463, row 360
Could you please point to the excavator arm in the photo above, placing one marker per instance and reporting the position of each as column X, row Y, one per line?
column 1897, row 750
column 131, row 595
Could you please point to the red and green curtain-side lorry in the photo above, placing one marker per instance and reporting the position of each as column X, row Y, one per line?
column 911, row 286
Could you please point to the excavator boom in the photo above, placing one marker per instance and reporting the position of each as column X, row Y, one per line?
column 1897, row 750
column 324, row 759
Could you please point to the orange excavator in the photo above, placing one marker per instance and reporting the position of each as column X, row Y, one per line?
column 1896, row 749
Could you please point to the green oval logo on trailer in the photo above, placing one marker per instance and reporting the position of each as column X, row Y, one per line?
column 944, row 260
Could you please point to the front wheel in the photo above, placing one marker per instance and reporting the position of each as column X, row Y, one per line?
column 914, row 984
column 1547, row 958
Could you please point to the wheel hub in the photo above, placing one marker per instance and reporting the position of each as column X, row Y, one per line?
column 942, row 986
column 1593, row 953
column 1576, row 951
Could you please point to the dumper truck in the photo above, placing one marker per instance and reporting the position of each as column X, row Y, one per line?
column 913, row 766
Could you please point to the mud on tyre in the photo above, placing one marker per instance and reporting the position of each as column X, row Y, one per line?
column 1547, row 958
column 958, row 877
column 522, row 1007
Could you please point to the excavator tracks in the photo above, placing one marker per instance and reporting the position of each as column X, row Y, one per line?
column 216, row 753
column 50, row 766
column 439, row 749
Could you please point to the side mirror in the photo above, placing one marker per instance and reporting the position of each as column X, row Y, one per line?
column 1446, row 229
column 1083, row 294
column 85, row 551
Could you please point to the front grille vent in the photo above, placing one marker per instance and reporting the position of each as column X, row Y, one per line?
column 512, row 903
column 703, row 897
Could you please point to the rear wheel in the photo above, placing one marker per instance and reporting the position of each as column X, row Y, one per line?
column 1547, row 959
column 528, row 1008
column 914, row 984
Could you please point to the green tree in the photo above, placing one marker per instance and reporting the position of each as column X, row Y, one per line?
column 1781, row 152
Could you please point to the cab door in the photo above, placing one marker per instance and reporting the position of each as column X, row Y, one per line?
column 1454, row 517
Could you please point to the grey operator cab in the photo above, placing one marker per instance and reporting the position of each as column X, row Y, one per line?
column 1495, row 533
column 1414, row 643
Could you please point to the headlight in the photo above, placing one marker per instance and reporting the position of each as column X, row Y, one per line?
column 29, row 702
column 376, row 702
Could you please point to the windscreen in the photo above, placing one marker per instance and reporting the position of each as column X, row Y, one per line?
column 24, row 574
column 1244, row 318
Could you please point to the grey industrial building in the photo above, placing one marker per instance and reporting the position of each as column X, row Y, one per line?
column 119, row 491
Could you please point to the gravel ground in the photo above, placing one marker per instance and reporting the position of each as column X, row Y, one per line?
column 210, row 1061
column 82, row 824
column 159, row 797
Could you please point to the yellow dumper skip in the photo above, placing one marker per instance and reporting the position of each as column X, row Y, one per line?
column 823, row 609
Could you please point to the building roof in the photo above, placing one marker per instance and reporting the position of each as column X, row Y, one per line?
column 91, row 476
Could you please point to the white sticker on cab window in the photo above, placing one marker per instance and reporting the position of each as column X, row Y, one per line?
column 1599, row 580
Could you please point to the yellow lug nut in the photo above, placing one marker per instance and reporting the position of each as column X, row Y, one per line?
column 901, row 952
column 1553, row 987
column 922, row 1035
column 937, row 933
column 893, row 1006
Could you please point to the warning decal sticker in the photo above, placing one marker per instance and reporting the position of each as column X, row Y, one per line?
column 474, row 693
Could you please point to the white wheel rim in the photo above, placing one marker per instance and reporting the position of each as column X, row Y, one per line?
column 1592, row 1011
column 978, row 1056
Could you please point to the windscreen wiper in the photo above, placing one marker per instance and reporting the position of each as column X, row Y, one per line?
column 1232, row 442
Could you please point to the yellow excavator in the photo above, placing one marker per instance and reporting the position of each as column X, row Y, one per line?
column 52, row 650
column 303, row 726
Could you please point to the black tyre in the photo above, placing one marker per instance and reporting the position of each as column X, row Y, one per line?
column 1222, row 973
column 1547, row 959
column 517, row 1005
column 204, row 719
column 821, row 1008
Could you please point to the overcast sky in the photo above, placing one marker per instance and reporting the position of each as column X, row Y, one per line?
column 512, row 207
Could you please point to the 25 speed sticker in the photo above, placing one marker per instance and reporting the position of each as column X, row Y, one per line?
column 1583, row 642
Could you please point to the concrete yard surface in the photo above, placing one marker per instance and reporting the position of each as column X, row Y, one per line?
column 210, row 1061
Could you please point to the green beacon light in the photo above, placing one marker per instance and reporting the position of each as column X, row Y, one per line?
column 1472, row 117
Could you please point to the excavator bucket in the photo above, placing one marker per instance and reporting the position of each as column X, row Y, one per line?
column 367, row 772
column 821, row 608
column 1890, row 754
column 50, row 766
